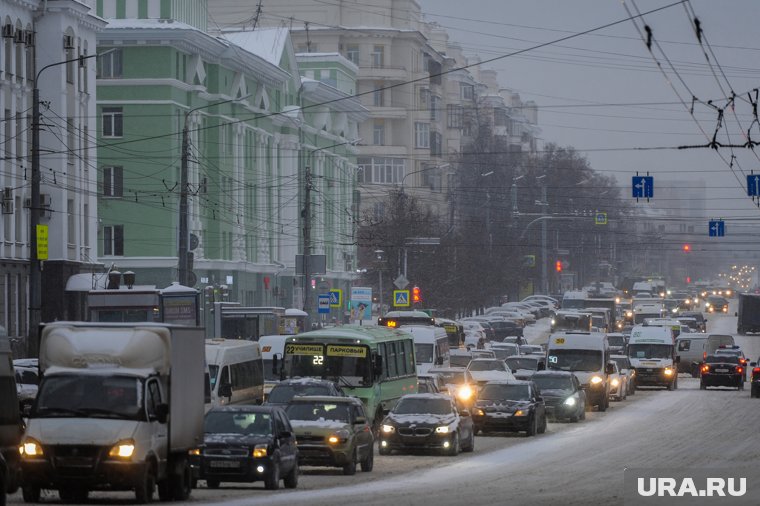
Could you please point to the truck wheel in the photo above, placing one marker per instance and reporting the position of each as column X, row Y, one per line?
column 31, row 493
column 181, row 484
column 145, row 487
column 291, row 479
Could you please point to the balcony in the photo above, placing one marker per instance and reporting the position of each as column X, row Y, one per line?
column 383, row 73
column 387, row 112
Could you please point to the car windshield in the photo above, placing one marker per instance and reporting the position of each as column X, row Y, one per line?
column 318, row 411
column 487, row 365
column 420, row 405
column 650, row 350
column 232, row 422
column 90, row 395
column 553, row 383
column 616, row 340
column 622, row 363
column 522, row 363
column 451, row 377
column 497, row 392
column 460, row 360
column 723, row 359
column 423, row 353
column 575, row 360
column 282, row 394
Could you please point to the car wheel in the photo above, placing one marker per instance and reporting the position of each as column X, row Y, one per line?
column 532, row 427
column 455, row 445
column 212, row 483
column 754, row 391
column 604, row 404
column 272, row 479
column 384, row 450
column 702, row 385
column 470, row 444
column 145, row 486
column 350, row 468
column 31, row 493
column 369, row 461
column 291, row 479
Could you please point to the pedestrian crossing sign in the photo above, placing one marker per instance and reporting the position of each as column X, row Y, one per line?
column 401, row 298
column 336, row 297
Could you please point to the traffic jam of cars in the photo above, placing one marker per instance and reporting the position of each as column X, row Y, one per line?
column 412, row 384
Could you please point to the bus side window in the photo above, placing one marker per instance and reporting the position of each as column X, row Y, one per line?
column 400, row 355
column 411, row 367
column 383, row 356
column 392, row 371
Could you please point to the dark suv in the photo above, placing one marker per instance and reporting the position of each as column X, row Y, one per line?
column 246, row 444
column 511, row 405
column 284, row 391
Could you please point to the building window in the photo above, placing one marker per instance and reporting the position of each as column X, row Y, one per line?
column 72, row 221
column 422, row 135
column 436, row 143
column 500, row 117
column 352, row 53
column 378, row 57
column 113, row 240
column 455, row 116
column 70, row 66
column 378, row 133
column 424, row 99
column 378, row 97
column 466, row 91
column 109, row 64
column 434, row 103
column 381, row 170
column 112, row 122
column 113, row 181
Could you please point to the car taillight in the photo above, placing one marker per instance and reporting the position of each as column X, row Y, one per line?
column 739, row 370
column 756, row 370
column 705, row 368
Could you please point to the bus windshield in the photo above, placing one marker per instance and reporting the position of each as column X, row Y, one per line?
column 347, row 365
column 575, row 360
column 649, row 350
column 424, row 353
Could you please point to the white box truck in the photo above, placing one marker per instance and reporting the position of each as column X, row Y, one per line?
column 653, row 356
column 118, row 408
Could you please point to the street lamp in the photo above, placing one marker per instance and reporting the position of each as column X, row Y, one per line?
column 424, row 169
column 35, row 273
column 183, row 253
column 379, row 255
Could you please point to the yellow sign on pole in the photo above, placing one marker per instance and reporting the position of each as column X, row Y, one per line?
column 42, row 242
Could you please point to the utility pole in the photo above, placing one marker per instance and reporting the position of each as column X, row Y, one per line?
column 544, row 259
column 307, row 239
column 35, row 274
column 183, row 250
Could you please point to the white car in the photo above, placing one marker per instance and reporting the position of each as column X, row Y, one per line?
column 625, row 369
column 543, row 298
column 484, row 370
column 618, row 384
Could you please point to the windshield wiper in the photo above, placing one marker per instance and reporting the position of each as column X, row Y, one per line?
column 101, row 411
column 63, row 411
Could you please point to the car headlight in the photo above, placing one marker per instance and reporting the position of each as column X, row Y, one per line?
column 479, row 412
column 194, row 451
column 464, row 393
column 596, row 380
column 674, row 310
column 520, row 412
column 443, row 429
column 31, row 448
column 668, row 371
column 124, row 449
column 570, row 401
column 388, row 429
column 707, row 304
column 615, row 382
column 339, row 437
column 259, row 451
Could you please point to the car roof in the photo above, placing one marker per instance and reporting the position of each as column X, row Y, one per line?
column 304, row 381
column 509, row 382
column 245, row 408
column 442, row 370
column 434, row 395
column 326, row 399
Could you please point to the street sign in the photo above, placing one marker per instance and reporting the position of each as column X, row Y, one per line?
column 401, row 282
column 753, row 185
column 717, row 228
column 336, row 297
column 324, row 303
column 600, row 219
column 401, row 298
column 361, row 303
column 642, row 187
column 42, row 242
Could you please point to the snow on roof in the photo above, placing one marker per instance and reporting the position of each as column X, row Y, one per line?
column 268, row 43
column 144, row 24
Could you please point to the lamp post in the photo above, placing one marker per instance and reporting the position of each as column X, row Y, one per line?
column 379, row 255
column 183, row 250
column 35, row 272
column 424, row 169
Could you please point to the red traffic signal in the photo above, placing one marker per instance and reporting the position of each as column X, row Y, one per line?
column 558, row 265
column 416, row 295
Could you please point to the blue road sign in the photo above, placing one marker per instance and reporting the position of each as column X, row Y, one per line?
column 324, row 303
column 643, row 187
column 753, row 185
column 401, row 298
column 717, row 228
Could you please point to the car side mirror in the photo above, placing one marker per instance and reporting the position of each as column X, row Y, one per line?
column 225, row 390
column 464, row 412
column 609, row 369
column 26, row 410
column 360, row 420
column 162, row 413
column 678, row 359
column 286, row 434
column 438, row 360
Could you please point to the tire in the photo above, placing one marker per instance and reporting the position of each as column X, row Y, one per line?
column 291, row 479
column 542, row 428
column 754, row 391
column 455, row 445
column 470, row 444
column 532, row 427
column 181, row 485
column 272, row 479
column 212, row 483
column 145, row 486
column 604, row 404
column 369, row 462
column 350, row 468
column 31, row 493
column 741, row 386
column 702, row 386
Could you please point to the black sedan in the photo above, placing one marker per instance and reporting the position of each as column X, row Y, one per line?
column 427, row 421
column 246, row 444
column 721, row 371
column 563, row 395
column 510, row 405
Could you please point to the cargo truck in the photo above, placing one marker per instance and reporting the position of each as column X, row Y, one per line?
column 11, row 428
column 749, row 313
column 118, row 408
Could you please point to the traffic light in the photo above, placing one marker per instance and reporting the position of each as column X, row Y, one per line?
column 687, row 247
column 416, row 295
column 558, row 265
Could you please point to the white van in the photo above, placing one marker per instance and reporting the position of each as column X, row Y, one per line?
column 236, row 370
column 690, row 350
column 646, row 310
column 431, row 346
column 653, row 356
column 271, row 346
column 587, row 354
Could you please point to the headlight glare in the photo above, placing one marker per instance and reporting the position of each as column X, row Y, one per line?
column 570, row 401
column 388, row 429
column 123, row 449
column 595, row 380
column 443, row 429
column 464, row 393
column 31, row 448
column 259, row 451
column 668, row 372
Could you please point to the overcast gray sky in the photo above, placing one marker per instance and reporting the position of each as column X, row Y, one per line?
column 576, row 81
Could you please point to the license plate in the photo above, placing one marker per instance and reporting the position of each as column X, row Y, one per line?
column 721, row 370
column 224, row 463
